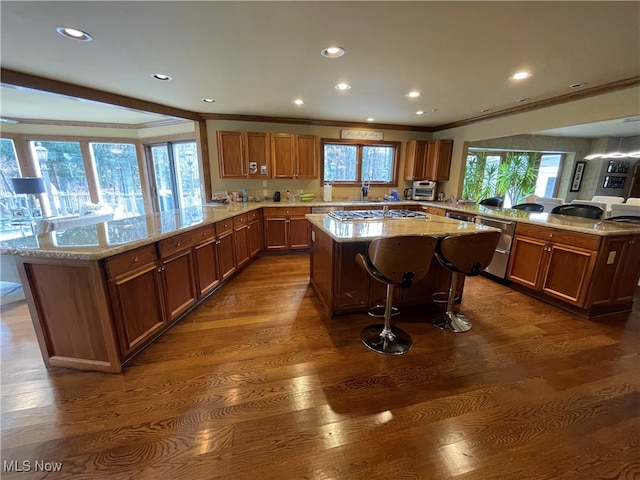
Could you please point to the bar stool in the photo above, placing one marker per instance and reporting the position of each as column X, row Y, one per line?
column 467, row 255
column 396, row 262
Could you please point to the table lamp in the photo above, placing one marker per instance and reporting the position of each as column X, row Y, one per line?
column 29, row 186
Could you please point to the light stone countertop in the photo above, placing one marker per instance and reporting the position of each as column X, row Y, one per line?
column 116, row 236
column 363, row 230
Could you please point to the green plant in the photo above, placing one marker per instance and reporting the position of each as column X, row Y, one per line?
column 480, row 178
column 518, row 174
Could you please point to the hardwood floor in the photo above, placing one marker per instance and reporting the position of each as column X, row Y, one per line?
column 258, row 384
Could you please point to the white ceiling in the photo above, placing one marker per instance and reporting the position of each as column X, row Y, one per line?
column 254, row 58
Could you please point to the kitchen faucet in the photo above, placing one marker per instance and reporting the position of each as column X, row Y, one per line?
column 364, row 191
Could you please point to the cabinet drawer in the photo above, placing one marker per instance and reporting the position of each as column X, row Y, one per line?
column 240, row 220
column 254, row 215
column 224, row 226
column 285, row 211
column 202, row 234
column 124, row 262
column 177, row 243
column 582, row 240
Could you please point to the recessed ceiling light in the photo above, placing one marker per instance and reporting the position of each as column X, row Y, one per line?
column 434, row 110
column 342, row 86
column 522, row 100
column 161, row 76
column 74, row 34
column 370, row 119
column 332, row 52
column 486, row 110
column 298, row 101
column 520, row 75
column 419, row 112
column 208, row 100
column 413, row 94
column 577, row 85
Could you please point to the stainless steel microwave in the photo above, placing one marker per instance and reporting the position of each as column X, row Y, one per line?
column 424, row 190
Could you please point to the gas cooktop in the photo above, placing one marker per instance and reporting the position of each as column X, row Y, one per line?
column 345, row 215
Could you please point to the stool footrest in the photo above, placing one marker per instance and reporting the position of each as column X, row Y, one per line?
column 443, row 297
column 378, row 311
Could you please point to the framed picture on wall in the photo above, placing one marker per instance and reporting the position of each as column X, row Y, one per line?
column 578, row 171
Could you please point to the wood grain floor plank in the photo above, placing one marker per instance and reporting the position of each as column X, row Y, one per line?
column 258, row 382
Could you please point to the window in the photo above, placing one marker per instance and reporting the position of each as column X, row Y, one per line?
column 119, row 176
column 176, row 177
column 353, row 162
column 510, row 174
column 62, row 168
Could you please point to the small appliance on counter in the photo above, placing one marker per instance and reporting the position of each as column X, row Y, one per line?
column 424, row 190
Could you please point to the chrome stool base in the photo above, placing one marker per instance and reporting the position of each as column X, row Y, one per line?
column 386, row 341
column 452, row 322
column 378, row 311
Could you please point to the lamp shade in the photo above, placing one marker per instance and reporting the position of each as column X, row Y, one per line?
column 28, row 185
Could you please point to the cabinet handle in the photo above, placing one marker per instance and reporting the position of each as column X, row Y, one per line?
column 204, row 234
column 178, row 244
column 135, row 259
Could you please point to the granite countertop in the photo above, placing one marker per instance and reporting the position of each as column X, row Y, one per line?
column 116, row 236
column 362, row 230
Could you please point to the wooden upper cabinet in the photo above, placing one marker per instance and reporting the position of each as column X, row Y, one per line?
column 428, row 160
column 243, row 154
column 294, row 156
column 257, row 151
column 415, row 163
column 307, row 156
column 439, row 160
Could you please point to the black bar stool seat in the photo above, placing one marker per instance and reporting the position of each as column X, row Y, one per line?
column 396, row 262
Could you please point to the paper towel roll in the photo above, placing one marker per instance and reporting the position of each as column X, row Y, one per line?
column 327, row 193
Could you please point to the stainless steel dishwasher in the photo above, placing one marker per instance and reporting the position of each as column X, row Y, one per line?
column 500, row 261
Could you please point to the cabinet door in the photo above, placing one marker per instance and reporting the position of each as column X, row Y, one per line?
column 257, row 154
column 241, row 244
column 230, row 154
column 439, row 160
column 206, row 259
column 307, row 156
column 416, row 160
column 179, row 277
column 526, row 264
column 444, row 150
column 138, row 302
column 226, row 255
column 626, row 280
column 299, row 233
column 283, row 155
column 276, row 231
column 255, row 237
column 568, row 273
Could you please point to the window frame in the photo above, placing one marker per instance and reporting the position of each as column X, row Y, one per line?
column 361, row 144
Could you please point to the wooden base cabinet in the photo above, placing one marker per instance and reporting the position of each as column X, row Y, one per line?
column 137, row 297
column 286, row 228
column 205, row 252
column 226, row 248
column 241, row 239
column 586, row 274
column 178, row 273
column 256, row 240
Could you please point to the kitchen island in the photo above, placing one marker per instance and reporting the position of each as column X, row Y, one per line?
column 344, row 287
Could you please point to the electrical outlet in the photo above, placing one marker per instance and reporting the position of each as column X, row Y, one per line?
column 264, row 184
column 612, row 257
